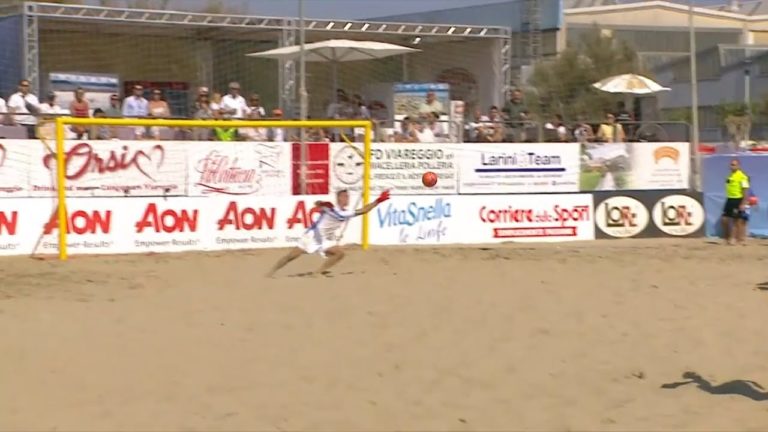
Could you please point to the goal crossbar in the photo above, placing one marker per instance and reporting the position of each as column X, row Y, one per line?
column 61, row 122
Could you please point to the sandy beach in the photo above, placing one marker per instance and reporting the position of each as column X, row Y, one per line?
column 551, row 337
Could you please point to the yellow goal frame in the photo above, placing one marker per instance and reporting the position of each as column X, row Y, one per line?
column 61, row 122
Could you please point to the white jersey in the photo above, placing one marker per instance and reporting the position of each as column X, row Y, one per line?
column 329, row 222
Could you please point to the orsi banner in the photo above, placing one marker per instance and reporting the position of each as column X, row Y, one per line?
column 112, row 168
column 518, row 168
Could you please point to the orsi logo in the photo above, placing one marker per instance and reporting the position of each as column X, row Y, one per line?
column 621, row 217
column 678, row 215
column 82, row 159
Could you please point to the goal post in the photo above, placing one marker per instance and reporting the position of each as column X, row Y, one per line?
column 61, row 177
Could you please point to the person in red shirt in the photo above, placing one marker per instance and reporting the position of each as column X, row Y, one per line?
column 79, row 108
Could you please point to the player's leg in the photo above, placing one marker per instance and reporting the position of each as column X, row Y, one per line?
column 741, row 228
column 727, row 221
column 282, row 262
column 333, row 255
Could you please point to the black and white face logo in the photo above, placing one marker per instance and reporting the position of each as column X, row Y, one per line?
column 348, row 166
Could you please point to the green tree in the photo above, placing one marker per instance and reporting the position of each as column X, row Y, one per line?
column 564, row 85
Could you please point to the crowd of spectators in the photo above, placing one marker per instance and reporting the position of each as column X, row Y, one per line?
column 512, row 123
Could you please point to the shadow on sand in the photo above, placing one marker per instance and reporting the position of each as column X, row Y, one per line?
column 763, row 286
column 745, row 388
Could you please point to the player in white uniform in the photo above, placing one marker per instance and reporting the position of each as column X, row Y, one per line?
column 321, row 237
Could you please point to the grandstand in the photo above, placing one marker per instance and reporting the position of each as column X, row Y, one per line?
column 196, row 49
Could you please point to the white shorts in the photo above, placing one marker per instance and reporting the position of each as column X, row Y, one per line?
column 312, row 242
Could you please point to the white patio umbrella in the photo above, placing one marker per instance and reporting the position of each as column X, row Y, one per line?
column 629, row 84
column 335, row 51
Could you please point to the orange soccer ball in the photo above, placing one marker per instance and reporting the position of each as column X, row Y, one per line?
column 429, row 179
column 752, row 200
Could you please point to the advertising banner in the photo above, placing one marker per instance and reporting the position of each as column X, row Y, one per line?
column 138, row 225
column 451, row 219
column 518, row 168
column 648, row 214
column 635, row 166
column 113, row 168
column 15, row 164
column 397, row 167
column 239, row 168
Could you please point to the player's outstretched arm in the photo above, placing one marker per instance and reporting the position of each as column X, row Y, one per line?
column 365, row 209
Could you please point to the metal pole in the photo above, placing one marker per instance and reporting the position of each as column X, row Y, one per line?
column 747, row 83
column 694, row 99
column 303, row 103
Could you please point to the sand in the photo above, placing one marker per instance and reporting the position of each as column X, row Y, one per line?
column 557, row 337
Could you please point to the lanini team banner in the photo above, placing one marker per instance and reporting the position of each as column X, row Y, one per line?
column 519, row 168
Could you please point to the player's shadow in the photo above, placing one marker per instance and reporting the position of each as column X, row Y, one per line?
column 324, row 275
column 745, row 388
column 763, row 286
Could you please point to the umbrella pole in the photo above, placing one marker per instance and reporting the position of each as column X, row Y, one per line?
column 303, row 102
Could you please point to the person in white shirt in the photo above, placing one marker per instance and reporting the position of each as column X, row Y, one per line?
column 26, row 104
column 276, row 134
column 136, row 106
column 233, row 105
column 431, row 105
column 50, row 106
column 321, row 238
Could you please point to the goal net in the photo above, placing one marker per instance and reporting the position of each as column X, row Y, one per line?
column 213, row 184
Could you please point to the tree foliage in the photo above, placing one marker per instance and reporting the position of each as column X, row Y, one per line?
column 564, row 85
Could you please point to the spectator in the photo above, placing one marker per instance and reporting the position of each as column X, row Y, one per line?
column 216, row 104
column 79, row 108
column 158, row 108
column 254, row 107
column 514, row 106
column 26, row 104
column 114, row 110
column 583, row 131
column 361, row 110
column 202, row 110
column 51, row 107
column 101, row 132
column 3, row 112
column 276, row 134
column 407, row 133
column 431, row 104
column 136, row 106
column 432, row 121
column 610, row 131
column 422, row 131
column 624, row 117
column 233, row 105
column 556, row 130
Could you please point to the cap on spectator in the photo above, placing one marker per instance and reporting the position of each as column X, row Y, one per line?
column 234, row 85
column 114, row 97
column 277, row 112
column 202, row 91
column 50, row 95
